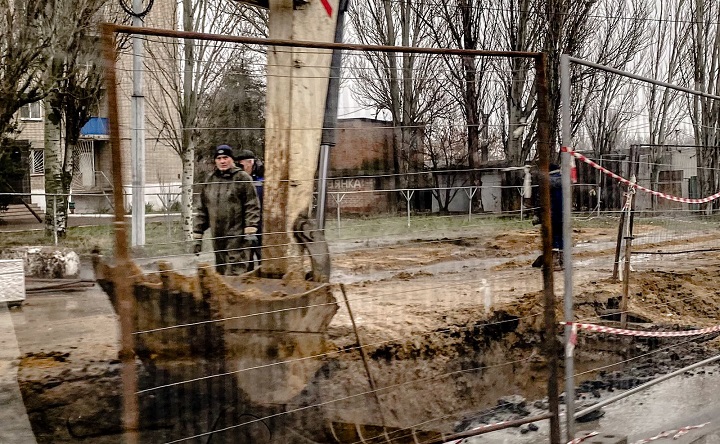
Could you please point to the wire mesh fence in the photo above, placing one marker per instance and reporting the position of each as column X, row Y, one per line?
column 433, row 313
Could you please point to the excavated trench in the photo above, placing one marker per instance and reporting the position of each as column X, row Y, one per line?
column 446, row 380
column 459, row 374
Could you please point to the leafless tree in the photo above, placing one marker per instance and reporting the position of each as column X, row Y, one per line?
column 467, row 24
column 667, row 54
column 520, row 30
column 446, row 154
column 610, row 101
column 74, row 97
column 251, row 20
column 552, row 26
column 705, row 112
column 472, row 80
column 184, row 72
column 398, row 84
column 29, row 35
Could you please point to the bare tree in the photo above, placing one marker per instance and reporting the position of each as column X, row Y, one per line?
column 28, row 37
column 552, row 26
column 73, row 98
column 705, row 112
column 609, row 101
column 465, row 24
column 667, row 54
column 447, row 156
column 183, row 82
column 520, row 31
column 473, row 80
column 251, row 20
column 398, row 84
column 612, row 109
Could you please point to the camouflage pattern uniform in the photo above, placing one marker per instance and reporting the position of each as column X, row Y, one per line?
column 229, row 206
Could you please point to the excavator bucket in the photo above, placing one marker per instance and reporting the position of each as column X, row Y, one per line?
column 263, row 333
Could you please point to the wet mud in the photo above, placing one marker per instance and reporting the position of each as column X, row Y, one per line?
column 437, row 358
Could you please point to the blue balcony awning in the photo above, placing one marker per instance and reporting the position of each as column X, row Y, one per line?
column 95, row 128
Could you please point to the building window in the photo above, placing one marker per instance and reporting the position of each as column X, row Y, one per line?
column 37, row 162
column 31, row 111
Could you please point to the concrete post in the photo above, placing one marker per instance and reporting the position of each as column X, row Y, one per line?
column 137, row 135
column 569, row 315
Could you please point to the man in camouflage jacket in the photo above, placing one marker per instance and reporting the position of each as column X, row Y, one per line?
column 229, row 206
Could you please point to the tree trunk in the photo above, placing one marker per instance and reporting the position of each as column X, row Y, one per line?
column 396, row 112
column 517, row 117
column 516, row 123
column 186, row 190
column 55, row 176
column 188, row 118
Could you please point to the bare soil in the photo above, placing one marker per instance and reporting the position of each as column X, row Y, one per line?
column 438, row 356
column 421, row 316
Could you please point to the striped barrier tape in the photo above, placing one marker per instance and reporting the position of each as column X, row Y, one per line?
column 583, row 438
column 675, row 433
column 570, row 347
column 634, row 185
column 653, row 334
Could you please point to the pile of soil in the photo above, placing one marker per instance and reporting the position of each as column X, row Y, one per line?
column 425, row 327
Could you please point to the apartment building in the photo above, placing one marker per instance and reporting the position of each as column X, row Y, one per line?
column 91, row 190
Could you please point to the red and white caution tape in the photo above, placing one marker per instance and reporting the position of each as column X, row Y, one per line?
column 675, row 433
column 583, row 438
column 639, row 187
column 643, row 333
column 686, row 429
column 570, row 347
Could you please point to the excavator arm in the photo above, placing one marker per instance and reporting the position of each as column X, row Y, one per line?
column 297, row 84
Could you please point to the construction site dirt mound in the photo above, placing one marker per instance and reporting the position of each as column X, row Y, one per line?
column 447, row 327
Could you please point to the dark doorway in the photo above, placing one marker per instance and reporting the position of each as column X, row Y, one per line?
column 17, row 178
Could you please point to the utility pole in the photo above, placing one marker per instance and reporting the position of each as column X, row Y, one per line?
column 137, row 136
column 327, row 139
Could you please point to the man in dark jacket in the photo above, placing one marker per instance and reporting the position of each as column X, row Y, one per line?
column 556, row 217
column 255, row 168
column 228, row 205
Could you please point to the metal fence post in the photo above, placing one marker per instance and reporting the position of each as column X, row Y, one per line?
column 569, row 314
column 407, row 194
column 470, row 194
column 55, row 227
column 338, row 197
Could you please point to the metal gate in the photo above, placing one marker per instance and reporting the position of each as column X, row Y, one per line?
column 83, row 163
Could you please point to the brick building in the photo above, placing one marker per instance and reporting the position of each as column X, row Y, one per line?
column 361, row 178
column 91, row 189
column 361, row 166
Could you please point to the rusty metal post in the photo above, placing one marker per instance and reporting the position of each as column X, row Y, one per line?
column 363, row 355
column 551, row 344
column 123, row 286
column 488, row 428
